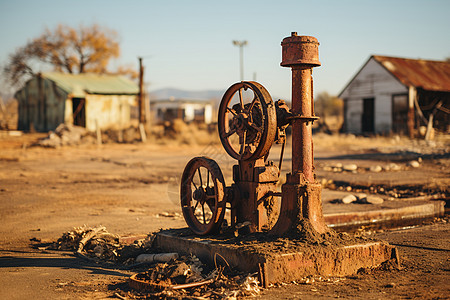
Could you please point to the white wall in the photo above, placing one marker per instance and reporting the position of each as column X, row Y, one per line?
column 110, row 111
column 354, row 115
column 189, row 109
column 372, row 81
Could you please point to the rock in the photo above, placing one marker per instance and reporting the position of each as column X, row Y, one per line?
column 414, row 164
column 392, row 167
column 365, row 199
column 422, row 130
column 361, row 198
column 374, row 200
column 350, row 167
column 337, row 165
column 349, row 199
column 376, row 169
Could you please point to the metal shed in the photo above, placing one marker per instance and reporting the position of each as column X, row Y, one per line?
column 392, row 94
column 87, row 100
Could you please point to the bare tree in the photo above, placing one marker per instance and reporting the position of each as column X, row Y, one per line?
column 327, row 105
column 65, row 49
column 328, row 108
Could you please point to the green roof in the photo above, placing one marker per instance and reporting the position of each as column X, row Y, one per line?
column 87, row 83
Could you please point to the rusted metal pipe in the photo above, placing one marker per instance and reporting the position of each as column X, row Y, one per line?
column 301, row 53
column 302, row 158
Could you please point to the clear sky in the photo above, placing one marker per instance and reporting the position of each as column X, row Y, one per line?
column 188, row 44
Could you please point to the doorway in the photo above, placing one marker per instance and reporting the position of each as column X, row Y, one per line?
column 79, row 111
column 368, row 115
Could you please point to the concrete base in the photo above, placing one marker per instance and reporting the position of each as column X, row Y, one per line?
column 409, row 214
column 280, row 266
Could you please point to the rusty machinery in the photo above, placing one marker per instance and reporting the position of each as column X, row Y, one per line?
column 249, row 123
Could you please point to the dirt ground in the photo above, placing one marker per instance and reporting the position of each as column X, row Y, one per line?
column 133, row 189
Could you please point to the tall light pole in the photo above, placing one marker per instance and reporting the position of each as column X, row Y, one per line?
column 241, row 45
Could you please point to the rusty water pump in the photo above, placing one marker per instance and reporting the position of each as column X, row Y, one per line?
column 249, row 123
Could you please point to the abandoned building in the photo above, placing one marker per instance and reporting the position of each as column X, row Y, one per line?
column 188, row 110
column 392, row 94
column 88, row 100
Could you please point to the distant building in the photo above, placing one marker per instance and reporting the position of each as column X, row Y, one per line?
column 391, row 94
column 87, row 100
column 188, row 110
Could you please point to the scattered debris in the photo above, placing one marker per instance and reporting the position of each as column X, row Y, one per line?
column 185, row 278
column 392, row 192
column 98, row 244
column 64, row 135
column 167, row 275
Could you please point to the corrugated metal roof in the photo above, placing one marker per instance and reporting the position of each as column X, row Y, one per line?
column 427, row 74
column 81, row 84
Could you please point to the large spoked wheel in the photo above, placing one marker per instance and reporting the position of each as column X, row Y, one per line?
column 203, row 195
column 247, row 121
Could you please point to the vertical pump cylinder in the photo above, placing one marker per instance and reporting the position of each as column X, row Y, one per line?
column 300, row 51
column 301, row 195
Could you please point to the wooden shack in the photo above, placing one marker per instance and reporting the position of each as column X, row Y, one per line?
column 393, row 94
column 88, row 100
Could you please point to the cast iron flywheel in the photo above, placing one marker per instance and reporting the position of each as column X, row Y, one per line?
column 247, row 121
column 203, row 195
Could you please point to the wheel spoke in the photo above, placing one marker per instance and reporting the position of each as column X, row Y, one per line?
column 204, row 215
column 253, row 104
column 229, row 133
column 200, row 176
column 232, row 111
column 207, row 179
column 241, row 101
column 250, row 114
column 196, row 205
column 192, row 180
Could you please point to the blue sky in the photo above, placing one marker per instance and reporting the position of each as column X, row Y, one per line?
column 188, row 44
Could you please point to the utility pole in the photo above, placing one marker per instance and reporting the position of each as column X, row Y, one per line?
column 141, row 93
column 241, row 45
column 141, row 102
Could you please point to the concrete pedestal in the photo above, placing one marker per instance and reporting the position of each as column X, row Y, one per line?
column 280, row 265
